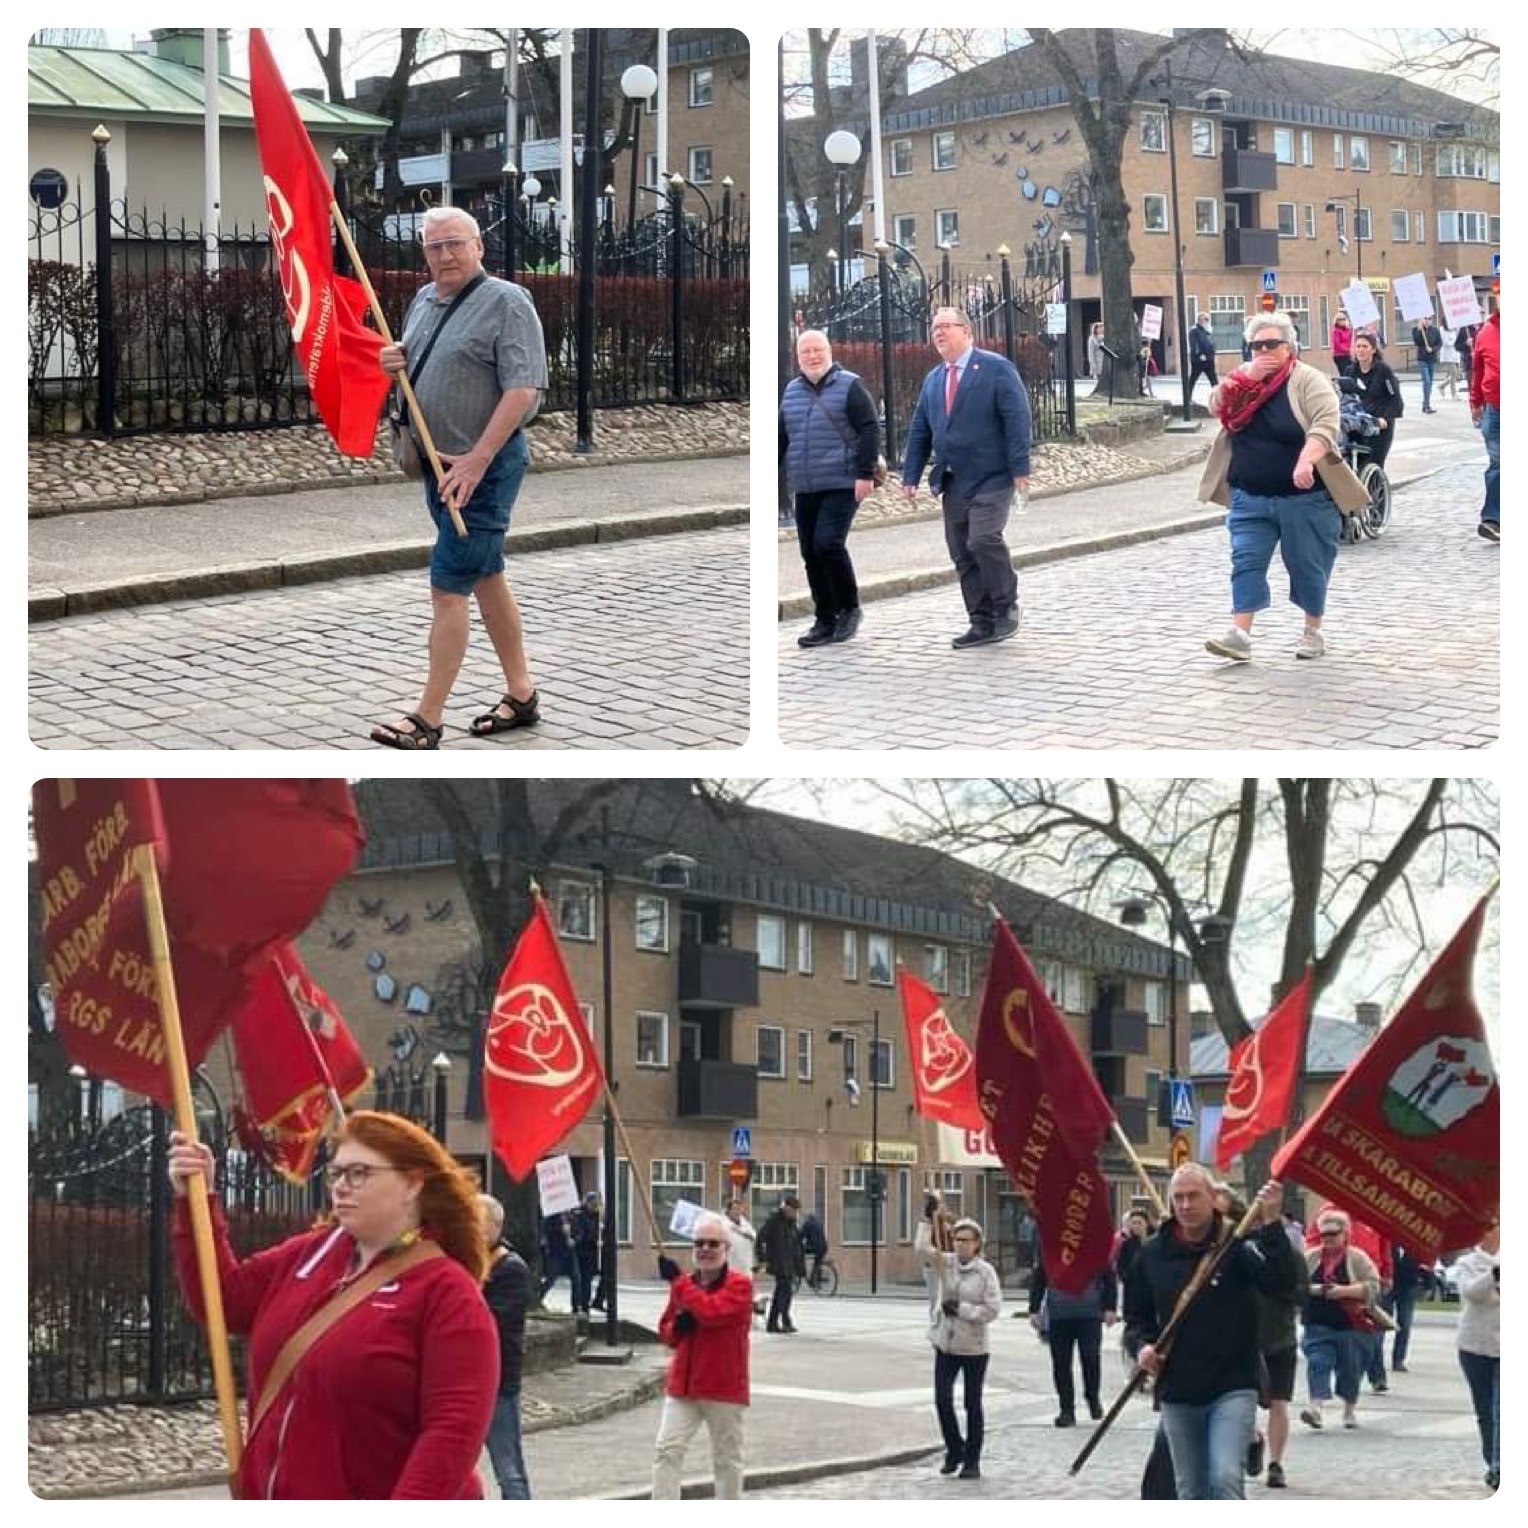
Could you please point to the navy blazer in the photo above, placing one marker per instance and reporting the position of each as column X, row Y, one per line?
column 983, row 443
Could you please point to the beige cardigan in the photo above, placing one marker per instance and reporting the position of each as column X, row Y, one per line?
column 1313, row 401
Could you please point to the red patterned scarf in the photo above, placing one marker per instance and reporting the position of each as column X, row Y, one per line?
column 1239, row 396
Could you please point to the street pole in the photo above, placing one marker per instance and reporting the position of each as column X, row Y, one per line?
column 1069, row 361
column 883, row 280
column 608, row 1249
column 875, row 1144
column 1358, row 244
column 1172, row 178
column 843, row 233
column 588, row 215
column 508, row 179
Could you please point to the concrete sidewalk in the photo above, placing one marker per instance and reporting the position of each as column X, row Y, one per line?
column 108, row 559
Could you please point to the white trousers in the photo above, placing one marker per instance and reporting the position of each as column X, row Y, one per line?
column 682, row 1419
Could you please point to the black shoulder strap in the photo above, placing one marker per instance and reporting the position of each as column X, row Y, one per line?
column 851, row 439
column 456, row 302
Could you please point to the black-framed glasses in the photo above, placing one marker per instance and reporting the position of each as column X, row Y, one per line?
column 1267, row 344
column 1331, row 1230
column 705, row 1244
column 354, row 1175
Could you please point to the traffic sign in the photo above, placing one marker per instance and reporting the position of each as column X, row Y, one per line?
column 1180, row 1150
column 1496, row 263
column 740, row 1170
column 742, row 1141
column 1270, row 281
column 1183, row 1102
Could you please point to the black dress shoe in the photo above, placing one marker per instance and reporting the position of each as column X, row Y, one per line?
column 1004, row 627
column 1095, row 1408
column 977, row 636
column 970, row 1472
column 1065, row 1419
column 846, row 625
column 952, row 1462
column 819, row 632
column 788, row 1327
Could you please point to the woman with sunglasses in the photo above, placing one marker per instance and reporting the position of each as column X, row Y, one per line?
column 393, row 1399
column 1276, row 467
column 706, row 1323
column 1342, row 1278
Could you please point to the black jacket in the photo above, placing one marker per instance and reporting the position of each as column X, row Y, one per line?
column 1378, row 391
column 1428, row 340
column 507, row 1291
column 1201, row 344
column 780, row 1246
column 1216, row 1347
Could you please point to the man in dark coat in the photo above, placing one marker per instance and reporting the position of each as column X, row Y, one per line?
column 587, row 1227
column 507, row 1292
column 780, row 1252
column 1428, row 339
column 1201, row 349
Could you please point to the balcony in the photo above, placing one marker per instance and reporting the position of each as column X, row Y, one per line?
column 717, row 1090
column 717, row 976
column 471, row 167
column 1134, row 1118
column 1248, row 170
column 1119, row 1032
column 1252, row 246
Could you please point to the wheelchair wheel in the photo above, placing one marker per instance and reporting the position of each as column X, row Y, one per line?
column 1377, row 516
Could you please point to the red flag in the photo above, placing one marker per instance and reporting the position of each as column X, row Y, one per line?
column 244, row 865
column 1263, row 1070
column 944, row 1070
column 337, row 351
column 1047, row 1115
column 540, row 1070
column 295, row 1058
column 1409, row 1138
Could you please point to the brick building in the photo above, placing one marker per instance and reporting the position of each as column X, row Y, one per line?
column 1311, row 170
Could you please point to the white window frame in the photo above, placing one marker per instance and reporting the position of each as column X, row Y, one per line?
column 685, row 1175
column 951, row 1184
column 962, row 973
column 694, row 164
column 1363, row 224
column 1419, row 228
column 852, row 1188
column 1194, row 136
column 850, row 954
column 1337, row 149
column 1493, row 167
column 896, row 155
column 947, row 218
column 776, row 923
column 1213, row 203
column 1464, row 224
column 936, row 966
column 1414, row 157
column 1355, row 153
column 650, row 168
column 1397, row 151
column 661, row 1064
column 944, row 147
column 776, row 1179
column 1309, row 213
column 1400, row 226
column 569, row 894
column 1293, row 230
column 1462, row 161
column 904, row 1205
column 1231, row 305
column 1284, row 145
column 883, row 1064
column 1146, row 200
column 904, row 229
column 1297, row 306
column 648, row 900
column 1493, row 228
column 1151, row 118
column 760, row 1030
column 889, row 979
column 1307, row 146
column 1154, row 1001
column 702, row 72
column 804, row 947
column 804, row 1044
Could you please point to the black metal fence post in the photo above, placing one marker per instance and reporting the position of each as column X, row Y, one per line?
column 159, row 1250
column 883, row 280
column 946, row 281
column 676, row 275
column 509, row 222
column 342, row 265
column 588, row 216
column 106, row 361
column 725, row 263
column 1070, row 361
column 1010, row 349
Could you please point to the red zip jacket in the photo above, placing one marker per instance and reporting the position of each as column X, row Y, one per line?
column 1485, row 374
column 394, row 1400
column 710, row 1363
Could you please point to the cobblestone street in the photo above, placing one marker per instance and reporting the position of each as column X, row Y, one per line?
column 636, row 644
column 1111, row 652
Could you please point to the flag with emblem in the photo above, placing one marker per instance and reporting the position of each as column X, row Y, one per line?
column 1264, row 1066
column 943, row 1068
column 540, row 1069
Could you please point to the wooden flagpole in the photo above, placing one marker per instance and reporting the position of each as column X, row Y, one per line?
column 407, row 387
column 1123, row 1141
column 196, row 1185
column 636, row 1172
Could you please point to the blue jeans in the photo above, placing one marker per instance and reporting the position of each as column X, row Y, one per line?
column 1209, row 1445
column 1426, row 369
column 1402, row 1306
column 1328, row 1353
column 1304, row 527
column 1483, row 1374
column 504, row 1447
column 1490, row 429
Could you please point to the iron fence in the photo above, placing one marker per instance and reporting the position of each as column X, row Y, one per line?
column 133, row 327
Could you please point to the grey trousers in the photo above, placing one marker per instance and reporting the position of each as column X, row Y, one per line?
column 973, row 533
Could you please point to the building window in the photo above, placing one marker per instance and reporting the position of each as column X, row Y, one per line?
column 901, row 156
column 1326, row 325
column 803, row 1055
column 1206, row 215
column 771, row 1050
column 701, row 86
column 1462, row 228
column 700, row 165
column 1342, row 220
column 936, row 967
column 854, row 1231
column 1287, row 229
column 951, row 1187
column 879, row 960
column 623, row 1201
column 883, row 1067
column 963, row 973
column 944, row 151
column 1284, row 145
column 1298, row 309
column 1400, row 227
column 1310, row 220
column 850, row 1047
column 1307, row 146
column 1201, row 135
column 1397, row 158
column 1363, row 222
column 771, row 937
column 774, row 1181
column 1065, row 983
column 1414, row 154
column 947, row 227
column 1155, row 994
column 1493, row 168
column 1337, row 151
column 673, row 1179
column 904, row 1204
column 904, row 230
column 804, row 948
column 652, row 923
column 1154, row 131
column 575, row 910
column 652, row 1039
column 1419, row 228
column 1495, row 231
column 851, row 955
column 650, row 169
column 1460, row 161
column 1154, row 213
column 1358, row 153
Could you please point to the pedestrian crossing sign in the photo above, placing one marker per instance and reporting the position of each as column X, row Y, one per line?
column 742, row 1141
column 1183, row 1101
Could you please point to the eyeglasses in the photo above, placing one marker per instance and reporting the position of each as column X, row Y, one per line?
column 1267, row 344
column 707, row 1246
column 354, row 1175
column 447, row 246
column 1331, row 1230
column 940, row 328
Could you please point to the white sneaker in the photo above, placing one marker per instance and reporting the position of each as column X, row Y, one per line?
column 1349, row 1417
column 1311, row 644
column 1235, row 644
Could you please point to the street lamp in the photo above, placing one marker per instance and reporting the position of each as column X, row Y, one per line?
column 1339, row 204
column 1133, row 913
column 836, row 1036
column 1184, row 372
column 637, row 85
column 441, row 1066
column 843, row 150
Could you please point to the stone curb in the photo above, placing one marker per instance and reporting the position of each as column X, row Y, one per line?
column 792, row 1474
column 360, row 480
column 47, row 604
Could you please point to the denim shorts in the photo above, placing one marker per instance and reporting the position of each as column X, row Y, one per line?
column 457, row 563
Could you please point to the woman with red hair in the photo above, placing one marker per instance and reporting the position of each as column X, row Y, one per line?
column 392, row 1399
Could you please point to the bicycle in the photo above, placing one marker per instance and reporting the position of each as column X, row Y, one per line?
column 1369, row 522
column 822, row 1279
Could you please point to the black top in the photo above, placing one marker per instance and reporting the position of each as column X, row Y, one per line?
column 507, row 1291
column 1378, row 390
column 1320, row 1311
column 1428, row 341
column 1263, row 455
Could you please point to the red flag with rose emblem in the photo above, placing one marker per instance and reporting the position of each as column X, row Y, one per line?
column 336, row 350
column 944, row 1070
column 1263, row 1070
column 540, row 1070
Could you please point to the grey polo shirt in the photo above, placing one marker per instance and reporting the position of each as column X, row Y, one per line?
column 492, row 344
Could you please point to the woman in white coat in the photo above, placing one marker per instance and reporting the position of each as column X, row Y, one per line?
column 1479, row 1272
column 969, row 1301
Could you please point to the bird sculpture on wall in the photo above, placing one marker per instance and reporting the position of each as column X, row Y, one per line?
column 434, row 913
column 1014, row 137
column 1000, row 159
column 371, row 909
column 341, row 941
column 1062, row 136
column 979, row 139
column 1034, row 148
column 398, row 925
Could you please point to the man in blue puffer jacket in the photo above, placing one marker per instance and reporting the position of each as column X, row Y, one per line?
column 829, row 441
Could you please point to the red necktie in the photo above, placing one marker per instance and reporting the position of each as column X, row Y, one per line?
column 951, row 378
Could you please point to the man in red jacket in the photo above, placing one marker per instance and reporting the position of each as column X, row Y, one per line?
column 1485, row 411
column 706, row 1323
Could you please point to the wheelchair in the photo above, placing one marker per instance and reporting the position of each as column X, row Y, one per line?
column 1369, row 523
